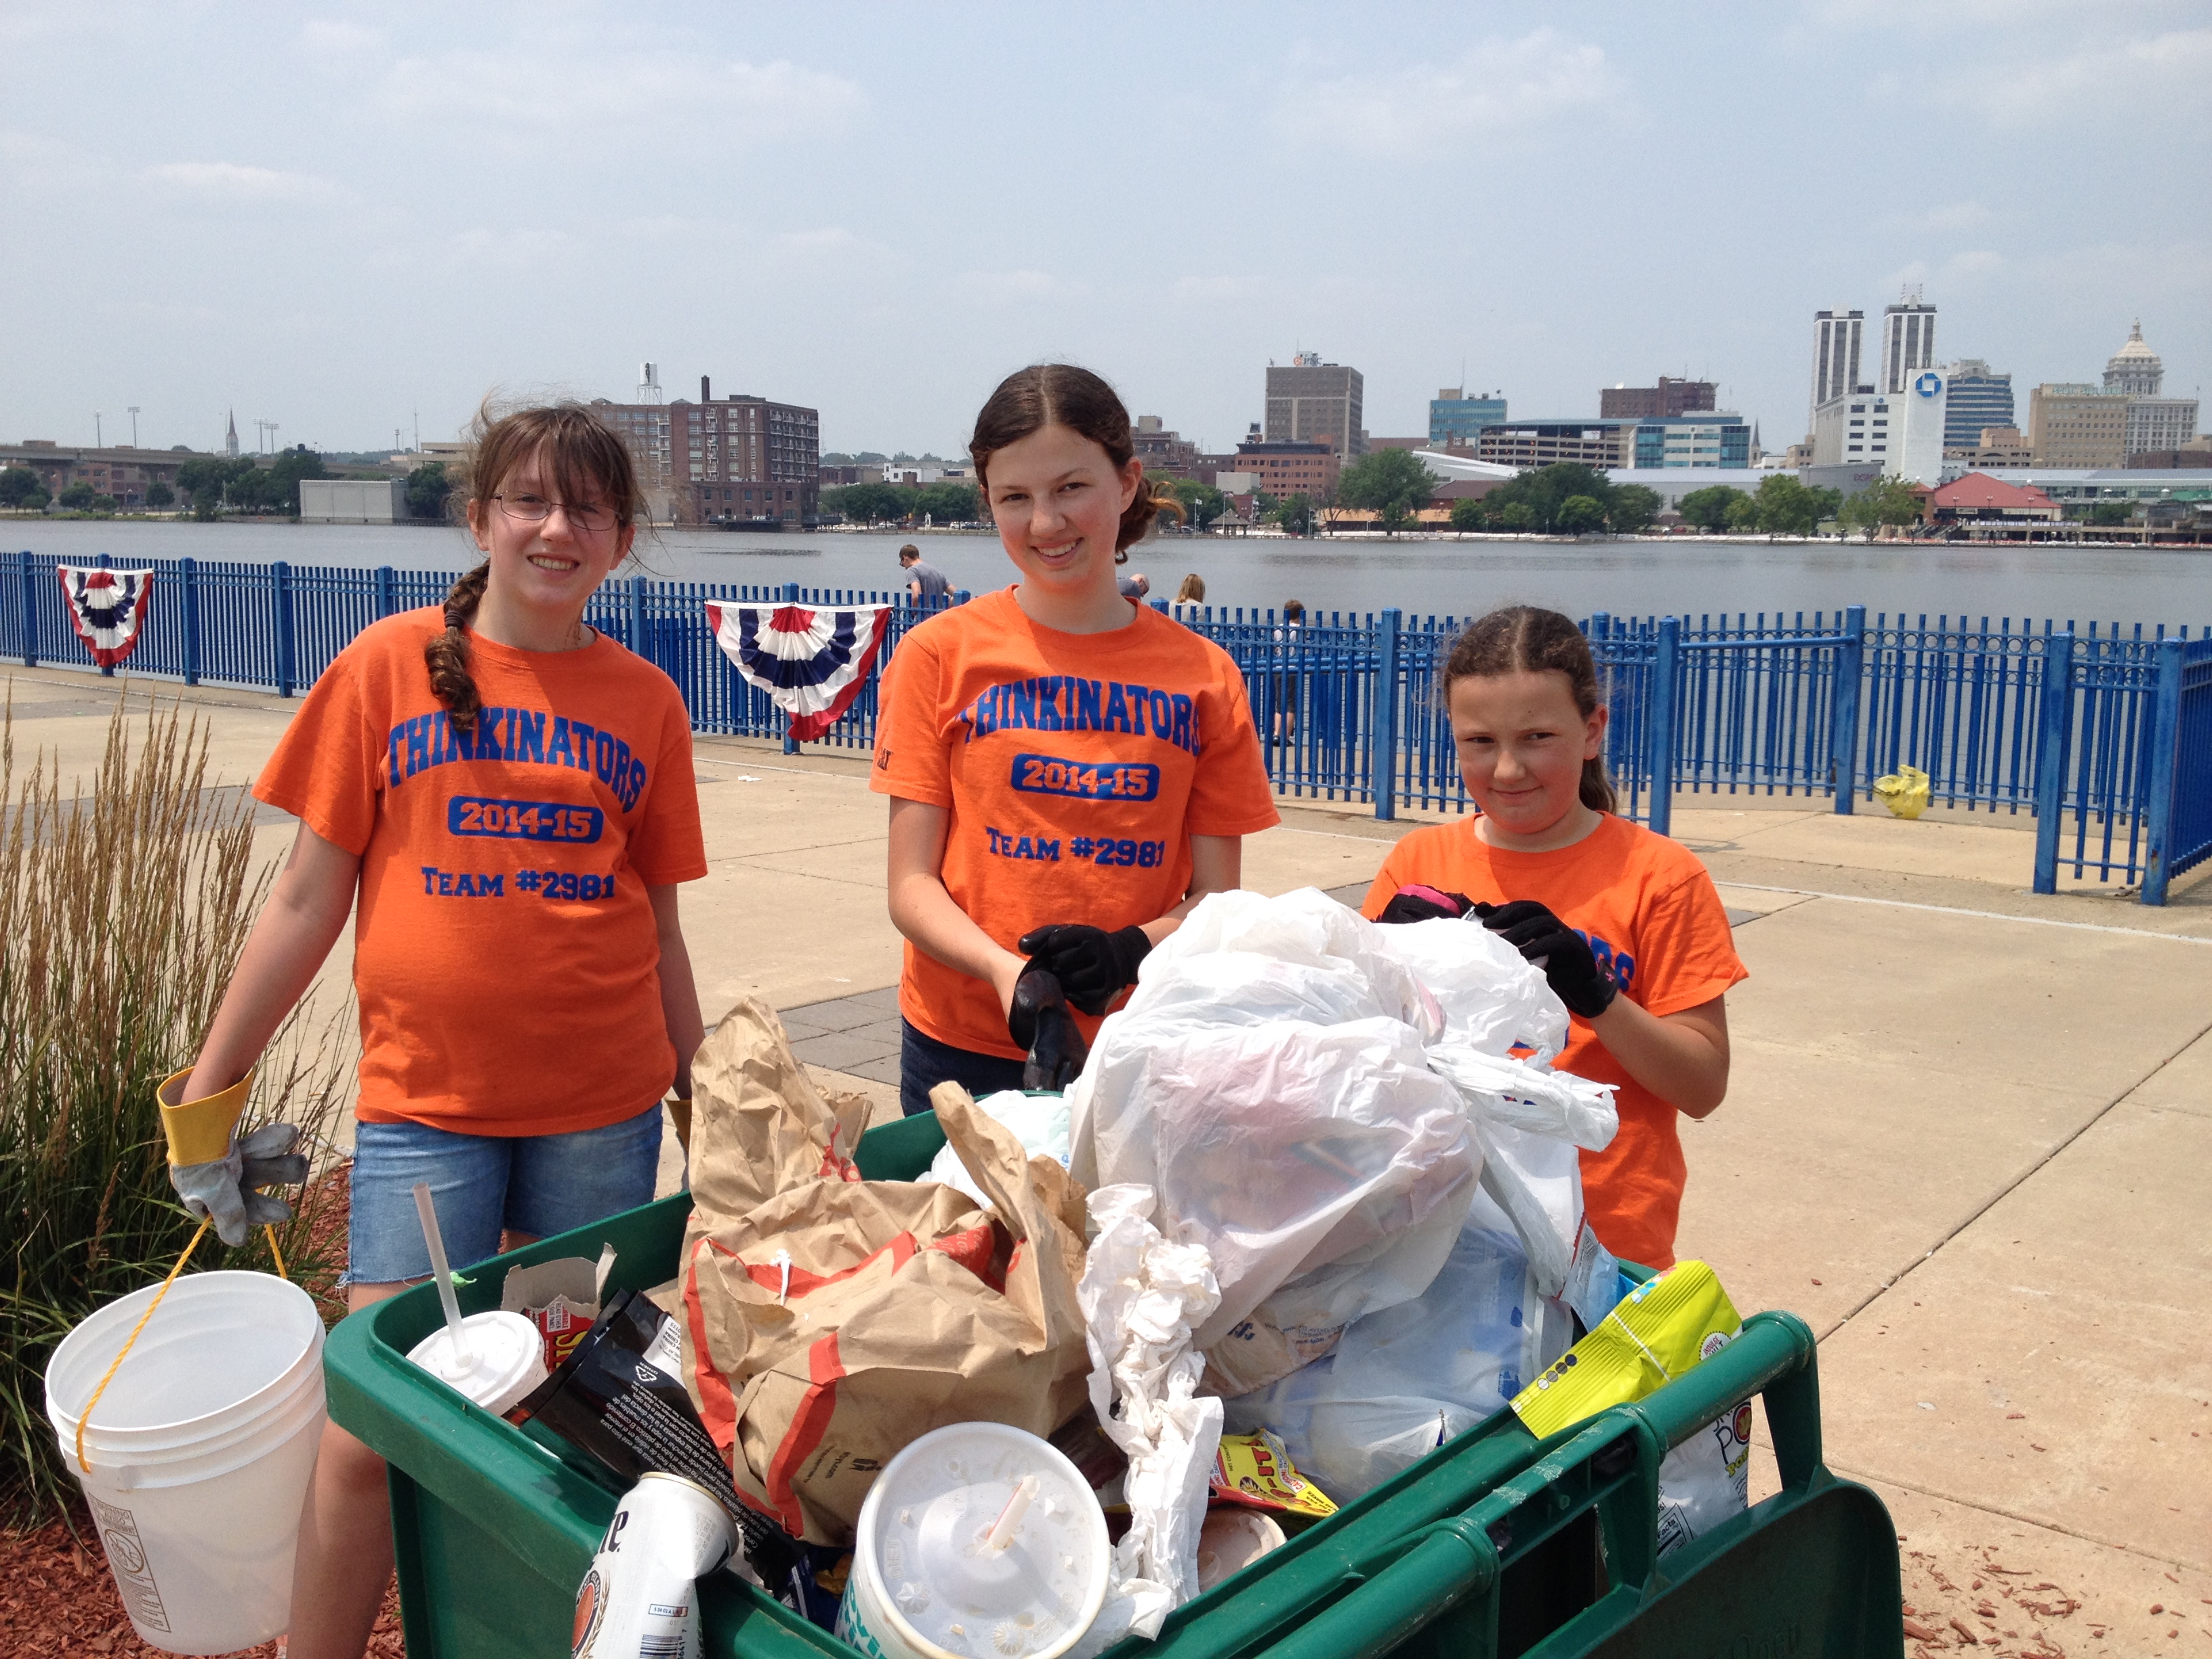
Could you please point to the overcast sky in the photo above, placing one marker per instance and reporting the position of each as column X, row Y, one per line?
column 334, row 218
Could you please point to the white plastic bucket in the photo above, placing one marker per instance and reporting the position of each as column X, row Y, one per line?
column 927, row 1584
column 200, row 1449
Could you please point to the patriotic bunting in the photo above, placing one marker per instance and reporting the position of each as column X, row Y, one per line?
column 107, row 608
column 811, row 663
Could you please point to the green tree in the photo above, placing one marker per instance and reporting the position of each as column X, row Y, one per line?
column 1785, row 506
column 77, row 498
column 1578, row 513
column 18, row 484
column 1389, row 482
column 1296, row 515
column 1708, row 508
column 1826, row 504
column 1542, row 491
column 1888, row 501
column 1635, row 508
column 428, row 488
column 870, row 503
column 1517, row 516
column 947, row 502
column 2111, row 512
column 1201, row 502
column 1468, row 512
column 104, row 504
column 279, row 487
column 1743, row 514
column 158, row 494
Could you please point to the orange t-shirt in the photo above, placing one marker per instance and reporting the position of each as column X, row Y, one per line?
column 505, row 953
column 1077, row 766
column 1649, row 912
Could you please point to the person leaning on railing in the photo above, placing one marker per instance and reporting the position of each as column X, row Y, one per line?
column 508, row 795
column 1070, row 771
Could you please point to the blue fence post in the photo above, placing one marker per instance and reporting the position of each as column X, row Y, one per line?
column 1843, row 739
column 387, row 594
column 637, row 617
column 280, row 578
column 1659, row 728
column 188, row 598
column 2165, row 754
column 2053, row 737
column 790, row 742
column 30, row 579
column 1383, row 740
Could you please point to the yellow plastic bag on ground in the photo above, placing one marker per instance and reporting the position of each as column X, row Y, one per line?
column 1905, row 791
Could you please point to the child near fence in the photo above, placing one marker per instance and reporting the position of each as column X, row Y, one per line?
column 1626, row 924
column 508, row 796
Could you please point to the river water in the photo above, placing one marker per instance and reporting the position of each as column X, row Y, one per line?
column 1686, row 575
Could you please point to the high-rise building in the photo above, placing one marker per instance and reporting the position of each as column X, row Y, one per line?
column 1837, row 337
column 1669, row 397
column 1908, row 342
column 1902, row 433
column 1707, row 439
column 1314, row 402
column 741, row 458
column 1979, row 399
column 1164, row 453
column 2070, row 425
column 2138, row 373
column 1456, row 420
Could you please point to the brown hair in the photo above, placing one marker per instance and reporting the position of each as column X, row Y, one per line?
column 1521, row 639
column 1060, row 394
column 586, row 462
column 1193, row 591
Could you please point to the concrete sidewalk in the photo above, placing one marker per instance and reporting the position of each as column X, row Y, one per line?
column 1965, row 1138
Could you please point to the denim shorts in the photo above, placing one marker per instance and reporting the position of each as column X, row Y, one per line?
column 924, row 1062
column 535, row 1184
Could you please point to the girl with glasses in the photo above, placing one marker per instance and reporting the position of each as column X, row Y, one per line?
column 504, row 799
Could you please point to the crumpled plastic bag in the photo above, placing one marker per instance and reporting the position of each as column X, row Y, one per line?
column 1039, row 1122
column 1142, row 1295
column 1404, row 1380
column 1492, row 1000
column 1905, row 791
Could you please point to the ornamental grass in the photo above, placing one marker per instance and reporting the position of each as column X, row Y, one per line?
column 123, row 906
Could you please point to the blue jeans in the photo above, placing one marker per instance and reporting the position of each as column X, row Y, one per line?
column 536, row 1184
column 924, row 1062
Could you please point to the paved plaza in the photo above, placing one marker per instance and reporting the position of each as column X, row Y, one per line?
column 1966, row 1139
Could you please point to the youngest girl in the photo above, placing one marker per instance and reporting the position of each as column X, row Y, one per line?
column 1626, row 924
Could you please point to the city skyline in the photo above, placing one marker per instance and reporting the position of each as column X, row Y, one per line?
column 416, row 207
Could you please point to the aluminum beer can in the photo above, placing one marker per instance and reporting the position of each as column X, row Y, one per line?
column 641, row 1598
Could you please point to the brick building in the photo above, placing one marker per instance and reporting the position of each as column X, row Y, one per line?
column 741, row 459
column 120, row 471
column 1164, row 453
column 1670, row 396
column 1285, row 470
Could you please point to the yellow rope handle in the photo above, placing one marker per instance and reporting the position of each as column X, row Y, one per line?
column 85, row 1415
column 277, row 1252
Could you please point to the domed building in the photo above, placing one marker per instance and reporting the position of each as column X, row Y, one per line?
column 2138, row 373
column 2135, row 369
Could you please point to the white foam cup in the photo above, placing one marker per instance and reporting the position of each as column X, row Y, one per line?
column 977, row 1538
column 504, row 1360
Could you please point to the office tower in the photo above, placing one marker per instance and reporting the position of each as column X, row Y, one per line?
column 1835, row 340
column 1314, row 402
column 1979, row 400
column 1908, row 341
column 1455, row 419
column 1668, row 398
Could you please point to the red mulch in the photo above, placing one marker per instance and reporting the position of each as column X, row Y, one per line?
column 57, row 1596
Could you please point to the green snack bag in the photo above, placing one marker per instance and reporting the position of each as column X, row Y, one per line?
column 1654, row 1334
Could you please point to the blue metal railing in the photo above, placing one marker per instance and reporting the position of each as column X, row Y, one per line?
column 2103, row 735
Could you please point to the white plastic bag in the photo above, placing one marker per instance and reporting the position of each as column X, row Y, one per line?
column 1039, row 1122
column 1404, row 1380
column 1491, row 998
column 1141, row 1294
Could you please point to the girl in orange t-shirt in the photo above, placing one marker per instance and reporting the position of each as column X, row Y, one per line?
column 504, row 800
column 1625, row 924
column 1069, row 771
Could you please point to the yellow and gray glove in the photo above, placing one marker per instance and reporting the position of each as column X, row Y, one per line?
column 215, row 1173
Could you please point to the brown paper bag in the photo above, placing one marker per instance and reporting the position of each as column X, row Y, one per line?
column 772, row 1128
column 829, row 1325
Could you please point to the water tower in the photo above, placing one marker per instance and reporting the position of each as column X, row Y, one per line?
column 648, row 383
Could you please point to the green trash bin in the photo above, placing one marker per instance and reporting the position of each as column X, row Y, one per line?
column 493, row 1530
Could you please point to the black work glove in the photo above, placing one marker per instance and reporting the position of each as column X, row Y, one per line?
column 1421, row 903
column 1040, row 1021
column 1546, row 942
column 1093, row 966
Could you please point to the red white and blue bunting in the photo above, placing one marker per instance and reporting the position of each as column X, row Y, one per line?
column 107, row 608
column 811, row 663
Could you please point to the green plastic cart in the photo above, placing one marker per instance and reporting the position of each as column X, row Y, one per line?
column 1495, row 1544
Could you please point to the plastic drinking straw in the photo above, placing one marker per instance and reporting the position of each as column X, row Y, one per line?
column 1002, row 1529
column 464, row 1350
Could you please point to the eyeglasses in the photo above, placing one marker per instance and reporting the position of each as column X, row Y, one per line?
column 593, row 518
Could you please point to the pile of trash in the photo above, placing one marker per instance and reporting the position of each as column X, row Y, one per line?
column 1310, row 1207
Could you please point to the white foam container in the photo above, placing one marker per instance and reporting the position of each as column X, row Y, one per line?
column 200, row 1452
column 926, row 1585
column 505, row 1360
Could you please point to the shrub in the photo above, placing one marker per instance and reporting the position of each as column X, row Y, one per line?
column 123, row 906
